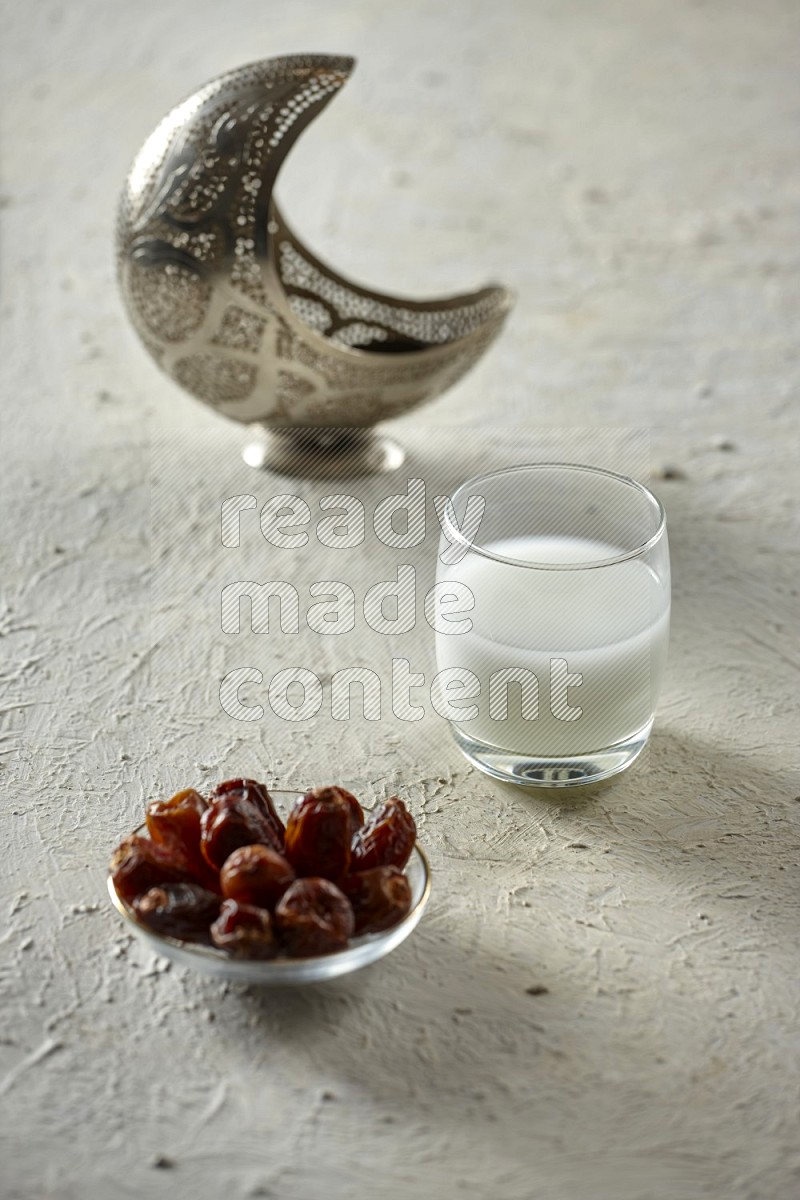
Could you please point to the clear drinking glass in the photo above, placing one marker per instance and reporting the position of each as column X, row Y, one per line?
column 552, row 621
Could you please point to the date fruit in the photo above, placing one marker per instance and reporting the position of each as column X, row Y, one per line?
column 244, row 931
column 356, row 811
column 256, row 875
column 230, row 821
column 224, row 871
column 175, row 825
column 314, row 917
column 251, row 789
column 380, row 898
column 179, row 910
column 139, row 864
column 387, row 838
column 319, row 832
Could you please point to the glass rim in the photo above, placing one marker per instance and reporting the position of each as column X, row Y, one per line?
column 454, row 534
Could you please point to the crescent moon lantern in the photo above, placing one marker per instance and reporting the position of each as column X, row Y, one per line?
column 234, row 308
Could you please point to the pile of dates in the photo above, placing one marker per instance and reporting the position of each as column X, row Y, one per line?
column 226, row 871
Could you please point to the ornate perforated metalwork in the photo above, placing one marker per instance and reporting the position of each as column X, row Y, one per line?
column 234, row 307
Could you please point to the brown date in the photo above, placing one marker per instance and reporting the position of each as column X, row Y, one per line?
column 380, row 898
column 256, row 875
column 179, row 910
column 313, row 917
column 138, row 864
column 244, row 931
column 356, row 811
column 250, row 789
column 319, row 831
column 387, row 838
column 175, row 825
column 230, row 821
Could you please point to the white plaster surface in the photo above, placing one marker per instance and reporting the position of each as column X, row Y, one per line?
column 632, row 170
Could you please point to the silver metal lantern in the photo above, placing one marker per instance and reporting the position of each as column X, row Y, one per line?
column 234, row 308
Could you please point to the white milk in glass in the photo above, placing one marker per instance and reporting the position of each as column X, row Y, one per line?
column 609, row 624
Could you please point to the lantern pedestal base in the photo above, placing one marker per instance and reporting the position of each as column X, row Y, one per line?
column 323, row 453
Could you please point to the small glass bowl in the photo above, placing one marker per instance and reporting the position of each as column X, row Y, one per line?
column 280, row 972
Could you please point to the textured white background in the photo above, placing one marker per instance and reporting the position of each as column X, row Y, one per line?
column 631, row 169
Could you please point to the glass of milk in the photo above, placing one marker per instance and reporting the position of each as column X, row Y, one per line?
column 552, row 620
